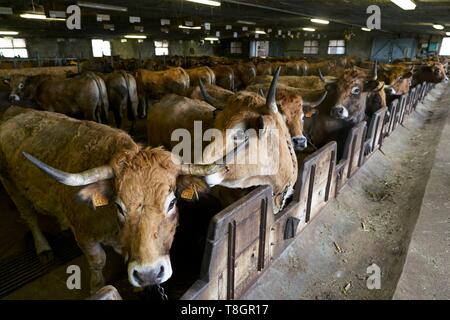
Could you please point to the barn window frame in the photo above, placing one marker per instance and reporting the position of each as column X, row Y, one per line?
column 311, row 47
column 236, row 47
column 337, row 47
column 101, row 48
column 13, row 47
column 161, row 47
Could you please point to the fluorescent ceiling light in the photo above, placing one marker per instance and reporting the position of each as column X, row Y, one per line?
column 211, row 39
column 447, row 33
column 405, row 4
column 186, row 27
column 438, row 26
column 246, row 22
column 135, row 36
column 320, row 21
column 123, row 40
column 207, row 2
column 366, row 29
column 39, row 16
column 309, row 29
column 101, row 6
column 9, row 33
column 260, row 32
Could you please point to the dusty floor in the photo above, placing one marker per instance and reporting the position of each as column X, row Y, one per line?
column 370, row 222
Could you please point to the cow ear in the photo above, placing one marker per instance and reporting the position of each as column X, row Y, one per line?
column 97, row 195
column 371, row 85
column 190, row 188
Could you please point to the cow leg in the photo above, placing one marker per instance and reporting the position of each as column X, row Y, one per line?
column 43, row 249
column 96, row 258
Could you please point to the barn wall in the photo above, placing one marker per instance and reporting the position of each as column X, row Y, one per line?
column 52, row 47
column 359, row 46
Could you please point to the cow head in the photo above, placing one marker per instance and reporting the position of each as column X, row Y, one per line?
column 397, row 79
column 293, row 107
column 275, row 162
column 19, row 87
column 438, row 72
column 140, row 188
column 349, row 94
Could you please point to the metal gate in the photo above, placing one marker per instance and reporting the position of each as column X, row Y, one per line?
column 388, row 50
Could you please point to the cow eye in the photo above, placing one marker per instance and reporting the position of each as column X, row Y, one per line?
column 171, row 205
column 120, row 209
column 356, row 91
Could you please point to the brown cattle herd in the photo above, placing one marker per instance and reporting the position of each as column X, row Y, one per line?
column 64, row 155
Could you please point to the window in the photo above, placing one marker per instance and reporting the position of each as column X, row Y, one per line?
column 259, row 49
column 311, row 47
column 101, row 48
column 11, row 48
column 162, row 48
column 336, row 47
column 445, row 47
column 236, row 48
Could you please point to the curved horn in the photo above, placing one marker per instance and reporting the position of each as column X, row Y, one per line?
column 212, row 101
column 261, row 93
column 375, row 71
column 271, row 95
column 73, row 179
column 313, row 104
column 209, row 169
column 325, row 80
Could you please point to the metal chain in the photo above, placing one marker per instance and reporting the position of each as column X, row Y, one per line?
column 162, row 293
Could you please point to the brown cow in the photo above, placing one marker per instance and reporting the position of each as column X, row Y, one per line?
column 84, row 95
column 432, row 72
column 244, row 73
column 117, row 192
column 276, row 163
column 156, row 84
column 224, row 77
column 292, row 106
column 123, row 96
column 344, row 107
column 397, row 78
column 204, row 74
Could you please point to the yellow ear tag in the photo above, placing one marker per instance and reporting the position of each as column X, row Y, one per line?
column 99, row 200
column 189, row 192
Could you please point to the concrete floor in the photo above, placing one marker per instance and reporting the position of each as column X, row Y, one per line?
column 373, row 219
column 426, row 274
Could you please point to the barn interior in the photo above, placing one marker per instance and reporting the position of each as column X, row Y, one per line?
column 380, row 216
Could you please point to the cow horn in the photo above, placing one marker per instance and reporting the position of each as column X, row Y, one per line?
column 73, row 179
column 209, row 99
column 209, row 169
column 261, row 93
column 325, row 80
column 313, row 104
column 271, row 95
column 375, row 71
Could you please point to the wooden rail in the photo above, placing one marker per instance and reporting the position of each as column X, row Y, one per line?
column 245, row 238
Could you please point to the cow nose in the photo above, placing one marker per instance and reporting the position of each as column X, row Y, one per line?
column 300, row 143
column 146, row 275
column 391, row 91
column 14, row 97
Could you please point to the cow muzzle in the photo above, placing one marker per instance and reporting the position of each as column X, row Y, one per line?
column 143, row 275
column 340, row 112
column 390, row 91
column 300, row 143
column 14, row 97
